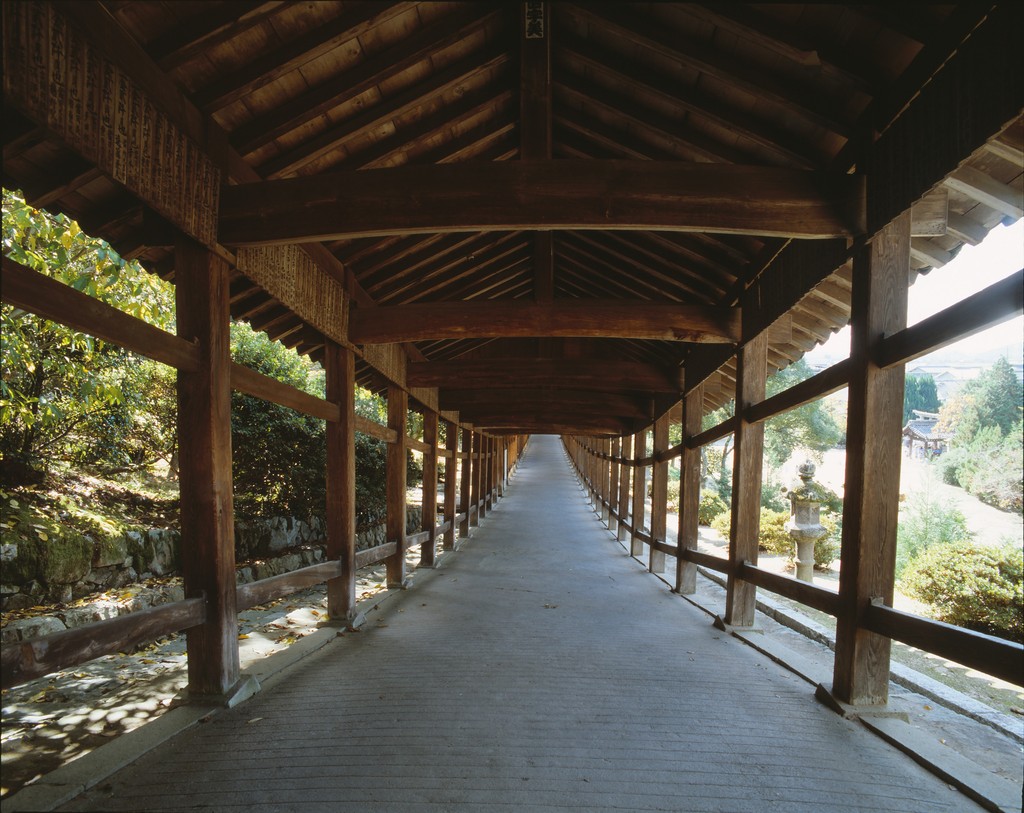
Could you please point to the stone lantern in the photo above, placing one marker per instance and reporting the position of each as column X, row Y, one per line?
column 804, row 527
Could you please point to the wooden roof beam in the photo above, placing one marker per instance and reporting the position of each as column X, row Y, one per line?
column 582, row 317
column 537, row 195
column 599, row 375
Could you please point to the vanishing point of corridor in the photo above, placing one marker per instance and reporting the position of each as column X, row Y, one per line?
column 538, row 668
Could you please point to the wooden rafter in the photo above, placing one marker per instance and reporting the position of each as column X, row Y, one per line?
column 375, row 115
column 316, row 101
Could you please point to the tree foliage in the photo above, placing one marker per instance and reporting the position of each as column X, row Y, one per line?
column 65, row 396
column 278, row 454
column 972, row 585
column 995, row 398
column 810, row 427
column 987, row 454
column 925, row 522
column 920, row 393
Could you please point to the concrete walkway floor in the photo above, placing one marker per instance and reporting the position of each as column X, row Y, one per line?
column 537, row 669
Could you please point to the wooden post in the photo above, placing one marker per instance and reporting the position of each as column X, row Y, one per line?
column 492, row 472
column 204, row 450
column 624, row 478
column 659, row 494
column 871, row 504
column 613, row 487
column 752, row 370
column 606, row 446
column 451, row 467
column 485, row 456
column 689, row 491
column 340, row 370
column 465, row 481
column 474, row 488
column 501, row 472
column 428, row 512
column 636, row 546
column 395, row 464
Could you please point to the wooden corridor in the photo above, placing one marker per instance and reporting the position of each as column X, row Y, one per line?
column 538, row 668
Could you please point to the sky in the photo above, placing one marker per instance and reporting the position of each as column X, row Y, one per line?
column 974, row 268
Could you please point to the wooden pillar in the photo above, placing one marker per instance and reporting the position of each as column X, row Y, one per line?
column 492, row 471
column 606, row 446
column 429, row 511
column 340, row 370
column 689, row 491
column 659, row 494
column 204, row 450
column 451, row 467
column 466, row 481
column 873, row 449
column 499, row 467
column 398, row 408
column 485, row 456
column 752, row 370
column 474, row 485
column 615, row 450
column 636, row 546
column 624, row 478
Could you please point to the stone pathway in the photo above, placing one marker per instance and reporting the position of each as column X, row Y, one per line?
column 537, row 669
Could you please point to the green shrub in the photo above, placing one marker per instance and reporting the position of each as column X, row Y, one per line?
column 826, row 549
column 925, row 521
column 672, row 504
column 773, row 536
column 722, row 523
column 711, row 506
column 773, row 495
column 972, row 585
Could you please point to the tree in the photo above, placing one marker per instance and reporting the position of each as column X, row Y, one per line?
column 278, row 454
column 993, row 399
column 65, row 396
column 919, row 393
column 810, row 427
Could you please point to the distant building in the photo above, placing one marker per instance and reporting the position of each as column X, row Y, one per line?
column 950, row 378
column 920, row 438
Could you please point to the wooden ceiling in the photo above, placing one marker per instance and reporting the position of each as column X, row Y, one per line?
column 338, row 119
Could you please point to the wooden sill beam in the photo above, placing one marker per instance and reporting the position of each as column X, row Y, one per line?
column 564, row 194
column 637, row 319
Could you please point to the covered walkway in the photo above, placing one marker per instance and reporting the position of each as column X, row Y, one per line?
column 537, row 669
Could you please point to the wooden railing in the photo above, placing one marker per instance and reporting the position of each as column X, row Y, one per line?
column 483, row 466
column 607, row 472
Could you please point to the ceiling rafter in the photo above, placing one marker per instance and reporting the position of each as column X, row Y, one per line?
column 332, row 93
column 649, row 36
column 691, row 100
column 409, row 98
column 353, row 22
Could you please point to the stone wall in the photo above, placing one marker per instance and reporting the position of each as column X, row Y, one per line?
column 76, row 566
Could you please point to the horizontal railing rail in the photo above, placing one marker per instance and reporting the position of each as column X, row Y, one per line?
column 27, row 660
